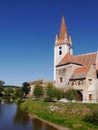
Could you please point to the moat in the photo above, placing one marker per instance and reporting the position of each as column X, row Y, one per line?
column 12, row 118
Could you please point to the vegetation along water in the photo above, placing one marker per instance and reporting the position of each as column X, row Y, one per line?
column 76, row 116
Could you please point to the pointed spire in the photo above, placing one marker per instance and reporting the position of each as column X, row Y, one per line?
column 63, row 29
column 63, row 35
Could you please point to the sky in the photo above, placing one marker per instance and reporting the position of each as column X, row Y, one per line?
column 27, row 35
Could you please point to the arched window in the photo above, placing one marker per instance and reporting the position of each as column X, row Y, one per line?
column 74, row 82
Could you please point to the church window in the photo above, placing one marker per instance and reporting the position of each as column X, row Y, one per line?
column 60, row 47
column 74, row 82
column 80, row 82
column 90, row 97
column 60, row 52
column 69, row 50
column 61, row 79
column 90, row 81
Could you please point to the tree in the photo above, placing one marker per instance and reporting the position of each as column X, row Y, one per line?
column 2, row 83
column 26, row 88
column 50, row 93
column 8, row 92
column 19, row 93
column 58, row 93
column 71, row 94
column 38, row 91
column 1, row 88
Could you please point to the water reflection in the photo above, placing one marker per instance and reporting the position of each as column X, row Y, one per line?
column 0, row 108
column 39, row 125
column 21, row 117
column 12, row 118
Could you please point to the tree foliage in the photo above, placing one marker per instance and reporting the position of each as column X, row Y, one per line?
column 38, row 91
column 58, row 93
column 92, row 118
column 50, row 91
column 71, row 94
column 19, row 93
column 8, row 92
column 2, row 83
column 26, row 88
column 1, row 88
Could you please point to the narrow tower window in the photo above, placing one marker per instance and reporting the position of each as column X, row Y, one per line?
column 61, row 79
column 60, row 52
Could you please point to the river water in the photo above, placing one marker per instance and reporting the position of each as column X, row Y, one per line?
column 12, row 118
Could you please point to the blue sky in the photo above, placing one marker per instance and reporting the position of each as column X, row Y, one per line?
column 27, row 35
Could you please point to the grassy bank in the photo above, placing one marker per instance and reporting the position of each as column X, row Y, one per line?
column 65, row 114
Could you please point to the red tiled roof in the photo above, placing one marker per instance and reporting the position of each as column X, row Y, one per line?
column 68, row 58
column 36, row 82
column 82, row 69
column 80, row 72
column 88, row 59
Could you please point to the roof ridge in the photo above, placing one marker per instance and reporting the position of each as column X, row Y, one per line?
column 68, row 58
column 87, row 53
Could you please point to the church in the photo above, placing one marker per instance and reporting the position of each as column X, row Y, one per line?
column 79, row 72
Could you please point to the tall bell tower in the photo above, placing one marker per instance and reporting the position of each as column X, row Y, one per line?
column 63, row 45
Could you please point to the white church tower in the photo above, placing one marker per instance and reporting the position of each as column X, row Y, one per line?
column 62, row 46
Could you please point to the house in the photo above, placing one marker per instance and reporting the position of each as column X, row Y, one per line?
column 42, row 82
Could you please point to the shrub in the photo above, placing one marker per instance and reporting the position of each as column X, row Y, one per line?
column 38, row 91
column 92, row 118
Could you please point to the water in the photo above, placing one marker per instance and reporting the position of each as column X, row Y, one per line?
column 12, row 118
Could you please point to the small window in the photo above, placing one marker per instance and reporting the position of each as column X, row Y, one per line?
column 80, row 82
column 60, row 52
column 60, row 47
column 61, row 79
column 74, row 83
column 90, row 97
column 90, row 79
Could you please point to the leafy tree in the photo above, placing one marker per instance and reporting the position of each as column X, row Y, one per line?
column 58, row 93
column 2, row 83
column 38, row 91
column 1, row 88
column 26, row 88
column 8, row 93
column 71, row 94
column 50, row 92
column 19, row 93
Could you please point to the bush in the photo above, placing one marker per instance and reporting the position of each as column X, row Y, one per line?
column 48, row 99
column 38, row 91
column 92, row 118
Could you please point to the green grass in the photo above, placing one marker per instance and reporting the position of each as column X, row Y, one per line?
column 65, row 114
